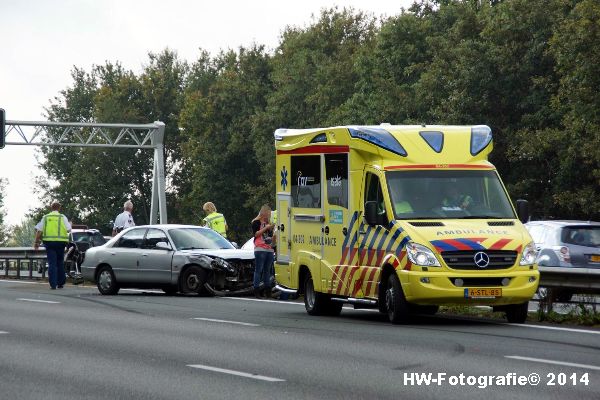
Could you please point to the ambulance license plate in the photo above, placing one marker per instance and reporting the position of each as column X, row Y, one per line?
column 595, row 257
column 482, row 293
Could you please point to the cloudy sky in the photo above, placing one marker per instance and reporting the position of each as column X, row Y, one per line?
column 43, row 39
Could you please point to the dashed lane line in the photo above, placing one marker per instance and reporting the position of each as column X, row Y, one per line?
column 556, row 328
column 263, row 300
column 226, row 322
column 554, row 362
column 236, row 373
column 40, row 301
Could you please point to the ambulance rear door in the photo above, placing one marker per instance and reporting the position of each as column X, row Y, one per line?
column 306, row 219
column 284, row 229
column 335, row 225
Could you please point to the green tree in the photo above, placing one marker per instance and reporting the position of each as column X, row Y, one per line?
column 313, row 74
column 23, row 234
column 561, row 158
column 109, row 93
column 223, row 96
column 527, row 68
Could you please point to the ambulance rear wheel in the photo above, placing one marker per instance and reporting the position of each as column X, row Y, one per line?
column 318, row 303
column 397, row 307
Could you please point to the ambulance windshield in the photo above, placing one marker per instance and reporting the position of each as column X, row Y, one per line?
column 448, row 194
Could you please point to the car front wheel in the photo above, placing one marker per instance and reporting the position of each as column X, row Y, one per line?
column 193, row 279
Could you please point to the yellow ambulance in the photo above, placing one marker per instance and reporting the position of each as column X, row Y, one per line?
column 400, row 218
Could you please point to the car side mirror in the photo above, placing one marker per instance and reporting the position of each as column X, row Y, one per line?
column 523, row 210
column 371, row 212
column 163, row 246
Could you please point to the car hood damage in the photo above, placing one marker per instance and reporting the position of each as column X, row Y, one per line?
column 231, row 271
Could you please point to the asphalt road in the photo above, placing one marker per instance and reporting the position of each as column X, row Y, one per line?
column 76, row 344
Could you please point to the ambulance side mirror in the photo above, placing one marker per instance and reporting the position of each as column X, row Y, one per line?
column 523, row 210
column 371, row 212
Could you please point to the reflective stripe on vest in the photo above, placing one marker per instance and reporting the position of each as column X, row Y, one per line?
column 54, row 229
column 216, row 222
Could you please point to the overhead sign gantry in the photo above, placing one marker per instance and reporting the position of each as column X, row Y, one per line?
column 82, row 134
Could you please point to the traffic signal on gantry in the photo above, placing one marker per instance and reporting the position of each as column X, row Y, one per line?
column 2, row 127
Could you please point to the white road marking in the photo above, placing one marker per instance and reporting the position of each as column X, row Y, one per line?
column 237, row 373
column 556, row 328
column 264, row 300
column 3, row 333
column 20, row 281
column 567, row 364
column 226, row 322
column 40, row 301
column 142, row 290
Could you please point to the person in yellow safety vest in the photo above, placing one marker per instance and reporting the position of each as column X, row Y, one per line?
column 401, row 204
column 214, row 220
column 54, row 230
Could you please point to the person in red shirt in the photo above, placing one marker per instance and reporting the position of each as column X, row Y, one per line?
column 263, row 251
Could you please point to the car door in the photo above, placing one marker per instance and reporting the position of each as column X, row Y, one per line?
column 155, row 264
column 124, row 255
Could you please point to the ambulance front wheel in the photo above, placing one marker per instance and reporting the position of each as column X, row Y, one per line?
column 397, row 307
column 517, row 313
column 318, row 303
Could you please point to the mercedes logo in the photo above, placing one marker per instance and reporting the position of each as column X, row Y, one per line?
column 481, row 259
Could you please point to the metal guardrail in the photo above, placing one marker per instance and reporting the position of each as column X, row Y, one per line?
column 16, row 258
column 579, row 280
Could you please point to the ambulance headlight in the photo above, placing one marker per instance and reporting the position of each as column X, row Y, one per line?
column 421, row 255
column 529, row 255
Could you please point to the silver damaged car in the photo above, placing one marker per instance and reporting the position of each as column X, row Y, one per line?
column 174, row 258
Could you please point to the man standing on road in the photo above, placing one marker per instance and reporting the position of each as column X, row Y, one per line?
column 54, row 230
column 125, row 219
column 214, row 220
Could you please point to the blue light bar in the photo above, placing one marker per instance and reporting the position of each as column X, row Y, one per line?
column 481, row 136
column 434, row 139
column 378, row 137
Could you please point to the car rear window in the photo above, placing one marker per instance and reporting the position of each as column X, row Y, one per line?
column 581, row 235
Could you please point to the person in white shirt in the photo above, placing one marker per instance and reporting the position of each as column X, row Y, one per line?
column 125, row 219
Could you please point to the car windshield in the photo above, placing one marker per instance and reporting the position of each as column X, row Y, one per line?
column 198, row 238
column 448, row 194
column 581, row 235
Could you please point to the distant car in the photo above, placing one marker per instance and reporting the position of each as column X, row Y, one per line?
column 174, row 258
column 81, row 238
column 249, row 245
column 571, row 244
column 81, row 234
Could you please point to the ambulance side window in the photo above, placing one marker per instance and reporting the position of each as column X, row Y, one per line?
column 373, row 192
column 306, row 181
column 336, row 172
